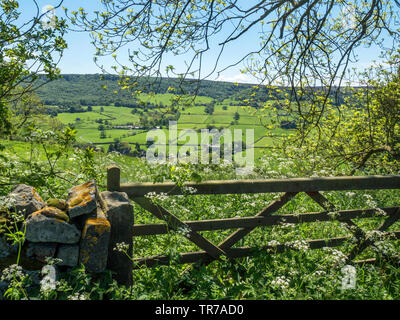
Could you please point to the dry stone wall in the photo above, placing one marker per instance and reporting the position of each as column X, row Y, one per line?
column 82, row 229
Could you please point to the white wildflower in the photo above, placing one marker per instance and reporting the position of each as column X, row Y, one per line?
column 381, row 212
column 77, row 296
column 11, row 272
column 53, row 261
column 367, row 196
column 371, row 203
column 300, row 245
column 334, row 214
column 121, row 247
column 319, row 273
column 383, row 247
column 189, row 190
column 280, row 283
column 8, row 201
column 212, row 209
column 284, row 225
column 375, row 235
column 47, row 284
column 162, row 196
column 273, row 243
column 150, row 194
column 335, row 256
column 184, row 231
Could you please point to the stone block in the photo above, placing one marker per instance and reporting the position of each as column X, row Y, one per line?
column 52, row 212
column 58, row 203
column 94, row 243
column 5, row 248
column 82, row 199
column 40, row 228
column 69, row 254
column 25, row 200
column 119, row 212
column 40, row 251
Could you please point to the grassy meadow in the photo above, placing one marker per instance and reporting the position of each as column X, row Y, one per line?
column 296, row 273
column 193, row 117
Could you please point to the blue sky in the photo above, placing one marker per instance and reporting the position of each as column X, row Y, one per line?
column 78, row 58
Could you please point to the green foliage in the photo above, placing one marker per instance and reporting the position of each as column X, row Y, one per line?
column 299, row 273
column 364, row 131
column 18, row 281
column 45, row 162
column 86, row 158
column 27, row 48
column 87, row 90
column 336, row 133
column 288, row 54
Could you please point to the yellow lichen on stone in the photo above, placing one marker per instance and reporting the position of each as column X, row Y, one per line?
column 84, row 231
column 101, row 225
column 92, row 240
column 59, row 220
column 85, row 256
column 57, row 203
column 35, row 194
column 83, row 195
column 52, row 212
column 94, row 243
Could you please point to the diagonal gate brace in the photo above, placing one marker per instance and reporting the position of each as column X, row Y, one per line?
column 363, row 241
column 174, row 223
column 267, row 211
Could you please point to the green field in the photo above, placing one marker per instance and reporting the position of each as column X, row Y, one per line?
column 193, row 117
column 308, row 274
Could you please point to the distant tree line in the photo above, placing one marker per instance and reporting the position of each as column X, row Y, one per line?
column 97, row 89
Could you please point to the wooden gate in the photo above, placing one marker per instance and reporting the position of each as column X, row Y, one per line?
column 244, row 225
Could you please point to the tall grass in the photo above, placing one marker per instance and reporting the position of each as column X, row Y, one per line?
column 299, row 273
